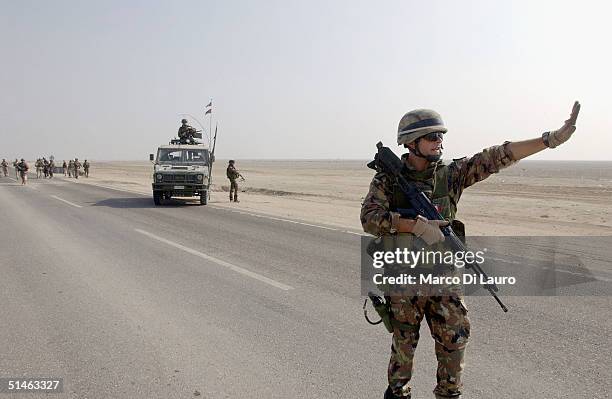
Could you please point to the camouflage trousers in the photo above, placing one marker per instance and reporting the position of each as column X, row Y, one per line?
column 234, row 189
column 448, row 323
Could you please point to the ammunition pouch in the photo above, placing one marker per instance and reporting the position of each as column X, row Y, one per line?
column 383, row 308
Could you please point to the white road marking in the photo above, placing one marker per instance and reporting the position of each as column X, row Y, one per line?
column 288, row 220
column 241, row 212
column 67, row 202
column 220, row 262
column 124, row 190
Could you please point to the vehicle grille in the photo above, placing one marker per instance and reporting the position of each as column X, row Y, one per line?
column 168, row 178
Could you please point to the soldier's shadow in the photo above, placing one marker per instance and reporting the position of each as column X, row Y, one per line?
column 142, row 202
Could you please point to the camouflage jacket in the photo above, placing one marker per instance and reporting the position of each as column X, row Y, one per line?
column 376, row 216
column 4, row 164
column 184, row 130
column 232, row 173
column 23, row 166
column 86, row 165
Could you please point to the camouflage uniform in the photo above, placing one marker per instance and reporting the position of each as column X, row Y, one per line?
column 446, row 315
column 70, row 167
column 86, row 168
column 50, row 168
column 64, row 168
column 77, row 166
column 23, row 168
column 15, row 163
column 45, row 165
column 38, row 165
column 232, row 175
column 4, row 167
column 185, row 134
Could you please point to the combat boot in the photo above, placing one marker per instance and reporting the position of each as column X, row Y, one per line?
column 236, row 198
column 390, row 395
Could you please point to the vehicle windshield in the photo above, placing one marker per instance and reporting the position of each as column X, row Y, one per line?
column 190, row 156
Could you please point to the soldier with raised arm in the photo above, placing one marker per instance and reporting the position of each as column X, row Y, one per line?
column 422, row 133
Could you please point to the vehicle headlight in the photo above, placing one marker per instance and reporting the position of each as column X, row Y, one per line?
column 200, row 177
column 159, row 177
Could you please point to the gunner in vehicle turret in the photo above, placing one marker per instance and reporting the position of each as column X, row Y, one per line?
column 186, row 133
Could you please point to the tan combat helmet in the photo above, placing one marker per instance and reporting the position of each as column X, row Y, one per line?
column 417, row 124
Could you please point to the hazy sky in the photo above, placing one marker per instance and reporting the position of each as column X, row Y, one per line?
column 300, row 79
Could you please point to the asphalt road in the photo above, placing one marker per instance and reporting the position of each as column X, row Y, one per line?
column 123, row 299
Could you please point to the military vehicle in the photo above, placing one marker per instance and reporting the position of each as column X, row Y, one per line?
column 181, row 170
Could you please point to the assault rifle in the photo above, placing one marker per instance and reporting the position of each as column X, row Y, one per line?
column 385, row 160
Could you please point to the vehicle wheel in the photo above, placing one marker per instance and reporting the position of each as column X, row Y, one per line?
column 204, row 198
column 157, row 197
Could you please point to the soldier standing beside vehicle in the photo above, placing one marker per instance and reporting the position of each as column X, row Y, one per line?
column 77, row 167
column 86, row 168
column 422, row 132
column 232, row 175
column 4, row 167
column 23, row 168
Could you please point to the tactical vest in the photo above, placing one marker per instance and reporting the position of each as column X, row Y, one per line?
column 231, row 173
column 433, row 182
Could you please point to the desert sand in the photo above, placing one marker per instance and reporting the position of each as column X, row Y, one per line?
column 529, row 198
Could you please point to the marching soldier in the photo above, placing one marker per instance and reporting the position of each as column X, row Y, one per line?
column 45, row 167
column 4, row 167
column 23, row 168
column 86, row 168
column 50, row 168
column 77, row 167
column 38, row 166
column 422, row 132
column 232, row 175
